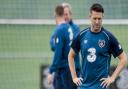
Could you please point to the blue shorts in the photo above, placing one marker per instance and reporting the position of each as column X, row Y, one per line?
column 95, row 86
column 63, row 80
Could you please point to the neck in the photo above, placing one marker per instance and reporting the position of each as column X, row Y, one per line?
column 95, row 30
column 60, row 20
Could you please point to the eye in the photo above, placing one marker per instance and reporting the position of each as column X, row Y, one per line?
column 99, row 18
column 94, row 18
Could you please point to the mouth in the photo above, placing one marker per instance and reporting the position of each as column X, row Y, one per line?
column 97, row 26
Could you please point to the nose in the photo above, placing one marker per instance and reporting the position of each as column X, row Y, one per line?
column 97, row 21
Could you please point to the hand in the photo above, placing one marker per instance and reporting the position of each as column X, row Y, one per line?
column 78, row 81
column 50, row 78
column 107, row 81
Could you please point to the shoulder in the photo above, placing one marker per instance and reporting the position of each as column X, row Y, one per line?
column 62, row 27
column 71, row 23
column 84, row 31
column 108, row 34
column 75, row 25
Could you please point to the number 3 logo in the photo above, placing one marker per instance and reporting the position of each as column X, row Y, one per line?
column 92, row 55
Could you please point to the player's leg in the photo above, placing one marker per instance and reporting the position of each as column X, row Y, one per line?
column 94, row 86
column 79, row 87
column 67, row 80
column 57, row 82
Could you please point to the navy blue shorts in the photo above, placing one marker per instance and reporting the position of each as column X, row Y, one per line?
column 94, row 86
column 63, row 80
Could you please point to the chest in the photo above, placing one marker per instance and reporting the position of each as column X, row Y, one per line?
column 98, row 44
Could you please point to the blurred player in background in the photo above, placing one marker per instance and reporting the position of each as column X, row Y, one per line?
column 96, row 45
column 75, row 31
column 63, row 37
column 68, row 19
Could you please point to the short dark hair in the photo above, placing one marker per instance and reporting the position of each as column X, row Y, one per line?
column 59, row 10
column 97, row 7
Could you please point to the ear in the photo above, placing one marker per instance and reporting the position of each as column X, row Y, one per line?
column 89, row 15
column 103, row 15
column 70, row 12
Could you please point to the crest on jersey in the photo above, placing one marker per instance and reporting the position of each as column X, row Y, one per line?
column 101, row 43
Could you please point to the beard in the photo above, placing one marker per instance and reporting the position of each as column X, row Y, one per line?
column 96, row 28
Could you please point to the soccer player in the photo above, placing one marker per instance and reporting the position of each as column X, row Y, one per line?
column 63, row 37
column 68, row 19
column 75, row 31
column 96, row 45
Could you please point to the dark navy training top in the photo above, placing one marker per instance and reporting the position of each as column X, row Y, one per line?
column 96, row 50
column 62, row 40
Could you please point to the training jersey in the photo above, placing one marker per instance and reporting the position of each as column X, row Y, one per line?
column 63, row 37
column 75, row 29
column 96, row 50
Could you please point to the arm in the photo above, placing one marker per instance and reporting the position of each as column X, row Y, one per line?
column 76, row 80
column 52, row 42
column 57, row 56
column 75, row 48
column 117, row 51
column 71, row 57
column 57, row 53
column 122, row 62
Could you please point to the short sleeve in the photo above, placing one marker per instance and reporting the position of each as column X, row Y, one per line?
column 115, row 46
column 52, row 42
column 76, row 44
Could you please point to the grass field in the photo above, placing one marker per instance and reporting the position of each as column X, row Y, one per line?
column 31, row 43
